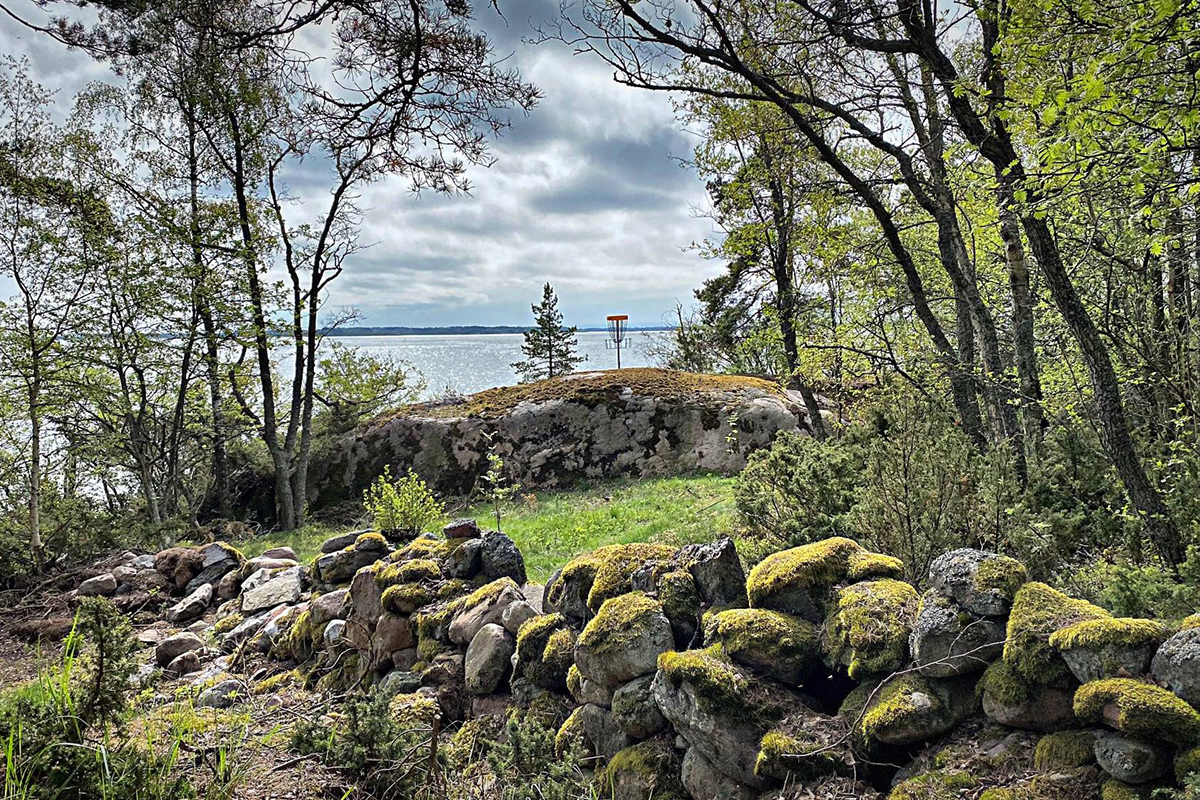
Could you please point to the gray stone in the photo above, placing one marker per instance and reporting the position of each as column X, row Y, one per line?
column 955, row 575
column 256, row 578
column 276, row 624
column 535, row 595
column 703, row 781
column 601, row 735
column 283, row 588
column 268, row 563
column 1109, row 660
column 517, row 614
column 589, row 691
column 931, row 707
column 223, row 695
column 340, row 566
column 399, row 682
column 174, row 646
column 366, row 598
column 501, row 558
column 210, row 575
column 192, row 606
column 332, row 635
column 340, row 542
column 245, row 630
column 143, row 562
column 615, row 654
column 646, row 771
column 329, row 606
column 279, row 552
column 464, row 528
column 184, row 664
column 727, row 738
column 1131, row 760
column 634, row 709
column 1045, row 709
column 489, row 659
column 467, row 622
column 392, row 633
column 717, row 571
column 124, row 574
column 1176, row 665
column 99, row 586
column 230, row 586
column 465, row 560
column 947, row 641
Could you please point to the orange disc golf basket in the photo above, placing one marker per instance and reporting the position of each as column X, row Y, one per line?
column 618, row 324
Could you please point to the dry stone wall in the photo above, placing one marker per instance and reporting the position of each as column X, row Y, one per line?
column 677, row 675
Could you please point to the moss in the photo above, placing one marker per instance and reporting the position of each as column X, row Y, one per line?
column 790, row 755
column 678, row 594
column 574, row 679
column 654, row 761
column 1000, row 573
column 1189, row 622
column 546, row 651
column 934, row 785
column 1187, row 764
column 277, row 681
column 812, row 570
column 370, row 540
column 615, row 567
column 1139, row 709
column 414, row 708
column 485, row 593
column 760, row 638
column 406, row 598
column 532, row 636
column 1100, row 632
column 226, row 624
column 1037, row 612
column 570, row 735
column 300, row 640
column 1064, row 750
column 893, row 705
column 423, row 547
column 1115, row 790
column 868, row 630
column 345, row 675
column 718, row 685
column 1001, row 682
column 619, row 621
column 472, row 742
column 457, row 587
column 999, row 794
column 419, row 569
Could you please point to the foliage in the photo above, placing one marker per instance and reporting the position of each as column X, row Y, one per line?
column 549, row 348
column 498, row 487
column 404, row 505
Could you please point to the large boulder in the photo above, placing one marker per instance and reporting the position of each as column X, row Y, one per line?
column 1138, row 709
column 635, row 710
column 770, row 643
column 489, row 659
column 1011, row 700
column 910, row 709
column 867, row 630
column 329, row 606
column 624, row 640
column 703, row 781
column 593, row 729
column 340, row 566
column 217, row 559
column 366, row 597
column 1132, row 760
column 799, row 581
column 946, row 640
column 983, row 583
column 500, row 558
column 581, row 587
column 717, row 571
column 1038, row 611
column 545, row 652
column 646, row 771
column 179, row 564
column 484, row 606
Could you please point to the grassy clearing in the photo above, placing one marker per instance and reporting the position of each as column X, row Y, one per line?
column 553, row 527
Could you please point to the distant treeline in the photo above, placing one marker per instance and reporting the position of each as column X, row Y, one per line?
column 452, row 330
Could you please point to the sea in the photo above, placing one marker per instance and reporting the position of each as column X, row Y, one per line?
column 465, row 364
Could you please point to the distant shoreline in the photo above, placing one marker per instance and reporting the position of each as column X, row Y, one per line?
column 457, row 330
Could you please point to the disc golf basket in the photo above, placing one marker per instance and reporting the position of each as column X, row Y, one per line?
column 617, row 325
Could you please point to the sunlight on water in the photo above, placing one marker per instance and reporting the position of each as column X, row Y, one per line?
column 467, row 364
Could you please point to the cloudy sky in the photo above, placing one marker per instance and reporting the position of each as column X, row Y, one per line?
column 587, row 192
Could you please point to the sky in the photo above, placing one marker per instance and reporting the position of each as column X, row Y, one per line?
column 586, row 192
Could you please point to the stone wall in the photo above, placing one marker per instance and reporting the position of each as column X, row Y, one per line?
column 820, row 674
column 637, row 422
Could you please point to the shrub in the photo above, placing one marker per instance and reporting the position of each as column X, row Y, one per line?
column 404, row 506
column 799, row 489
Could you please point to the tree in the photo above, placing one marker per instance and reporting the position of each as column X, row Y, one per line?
column 549, row 348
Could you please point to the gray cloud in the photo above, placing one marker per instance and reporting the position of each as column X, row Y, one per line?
column 586, row 192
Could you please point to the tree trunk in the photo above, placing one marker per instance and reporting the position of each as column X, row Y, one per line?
column 1024, row 343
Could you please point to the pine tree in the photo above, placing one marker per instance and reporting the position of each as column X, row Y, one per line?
column 549, row 348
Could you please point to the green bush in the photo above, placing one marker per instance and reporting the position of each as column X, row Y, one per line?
column 799, row 490
column 401, row 506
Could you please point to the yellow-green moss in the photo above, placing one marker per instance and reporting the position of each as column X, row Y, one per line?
column 1001, row 573
column 406, row 598
column 473, row 740
column 226, row 624
column 1037, row 612
column 868, row 630
column 570, row 735
column 654, row 761
column 1115, row 790
column 546, row 651
column 893, row 703
column 1064, row 750
column 619, row 621
column 1001, row 682
column 813, row 569
column 678, row 594
column 1187, row 764
column 615, row 566
column 1189, row 622
column 935, row 785
column 485, row 593
column 414, row 709
column 277, row 681
column 718, row 685
column 1099, row 632
column 574, row 679
column 1139, row 709
column 300, row 640
column 796, row 756
column 370, row 539
column 999, row 794
column 759, row 637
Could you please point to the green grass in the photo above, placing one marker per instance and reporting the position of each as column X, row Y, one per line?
column 551, row 528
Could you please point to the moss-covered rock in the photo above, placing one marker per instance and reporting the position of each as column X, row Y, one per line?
column 1065, row 750
column 1038, row 611
column 798, row 581
column 1139, row 709
column 771, row 643
column 414, row 709
column 586, row 582
column 591, row 730
column 1011, row 700
column 406, row 598
column 624, row 639
column 907, row 710
column 484, row 606
column 805, row 746
column 867, row 631
column 935, row 785
column 946, row 640
column 634, row 709
column 646, row 771
column 1116, row 790
column 680, row 600
column 1187, row 764
column 1109, row 648
column 980, row 582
